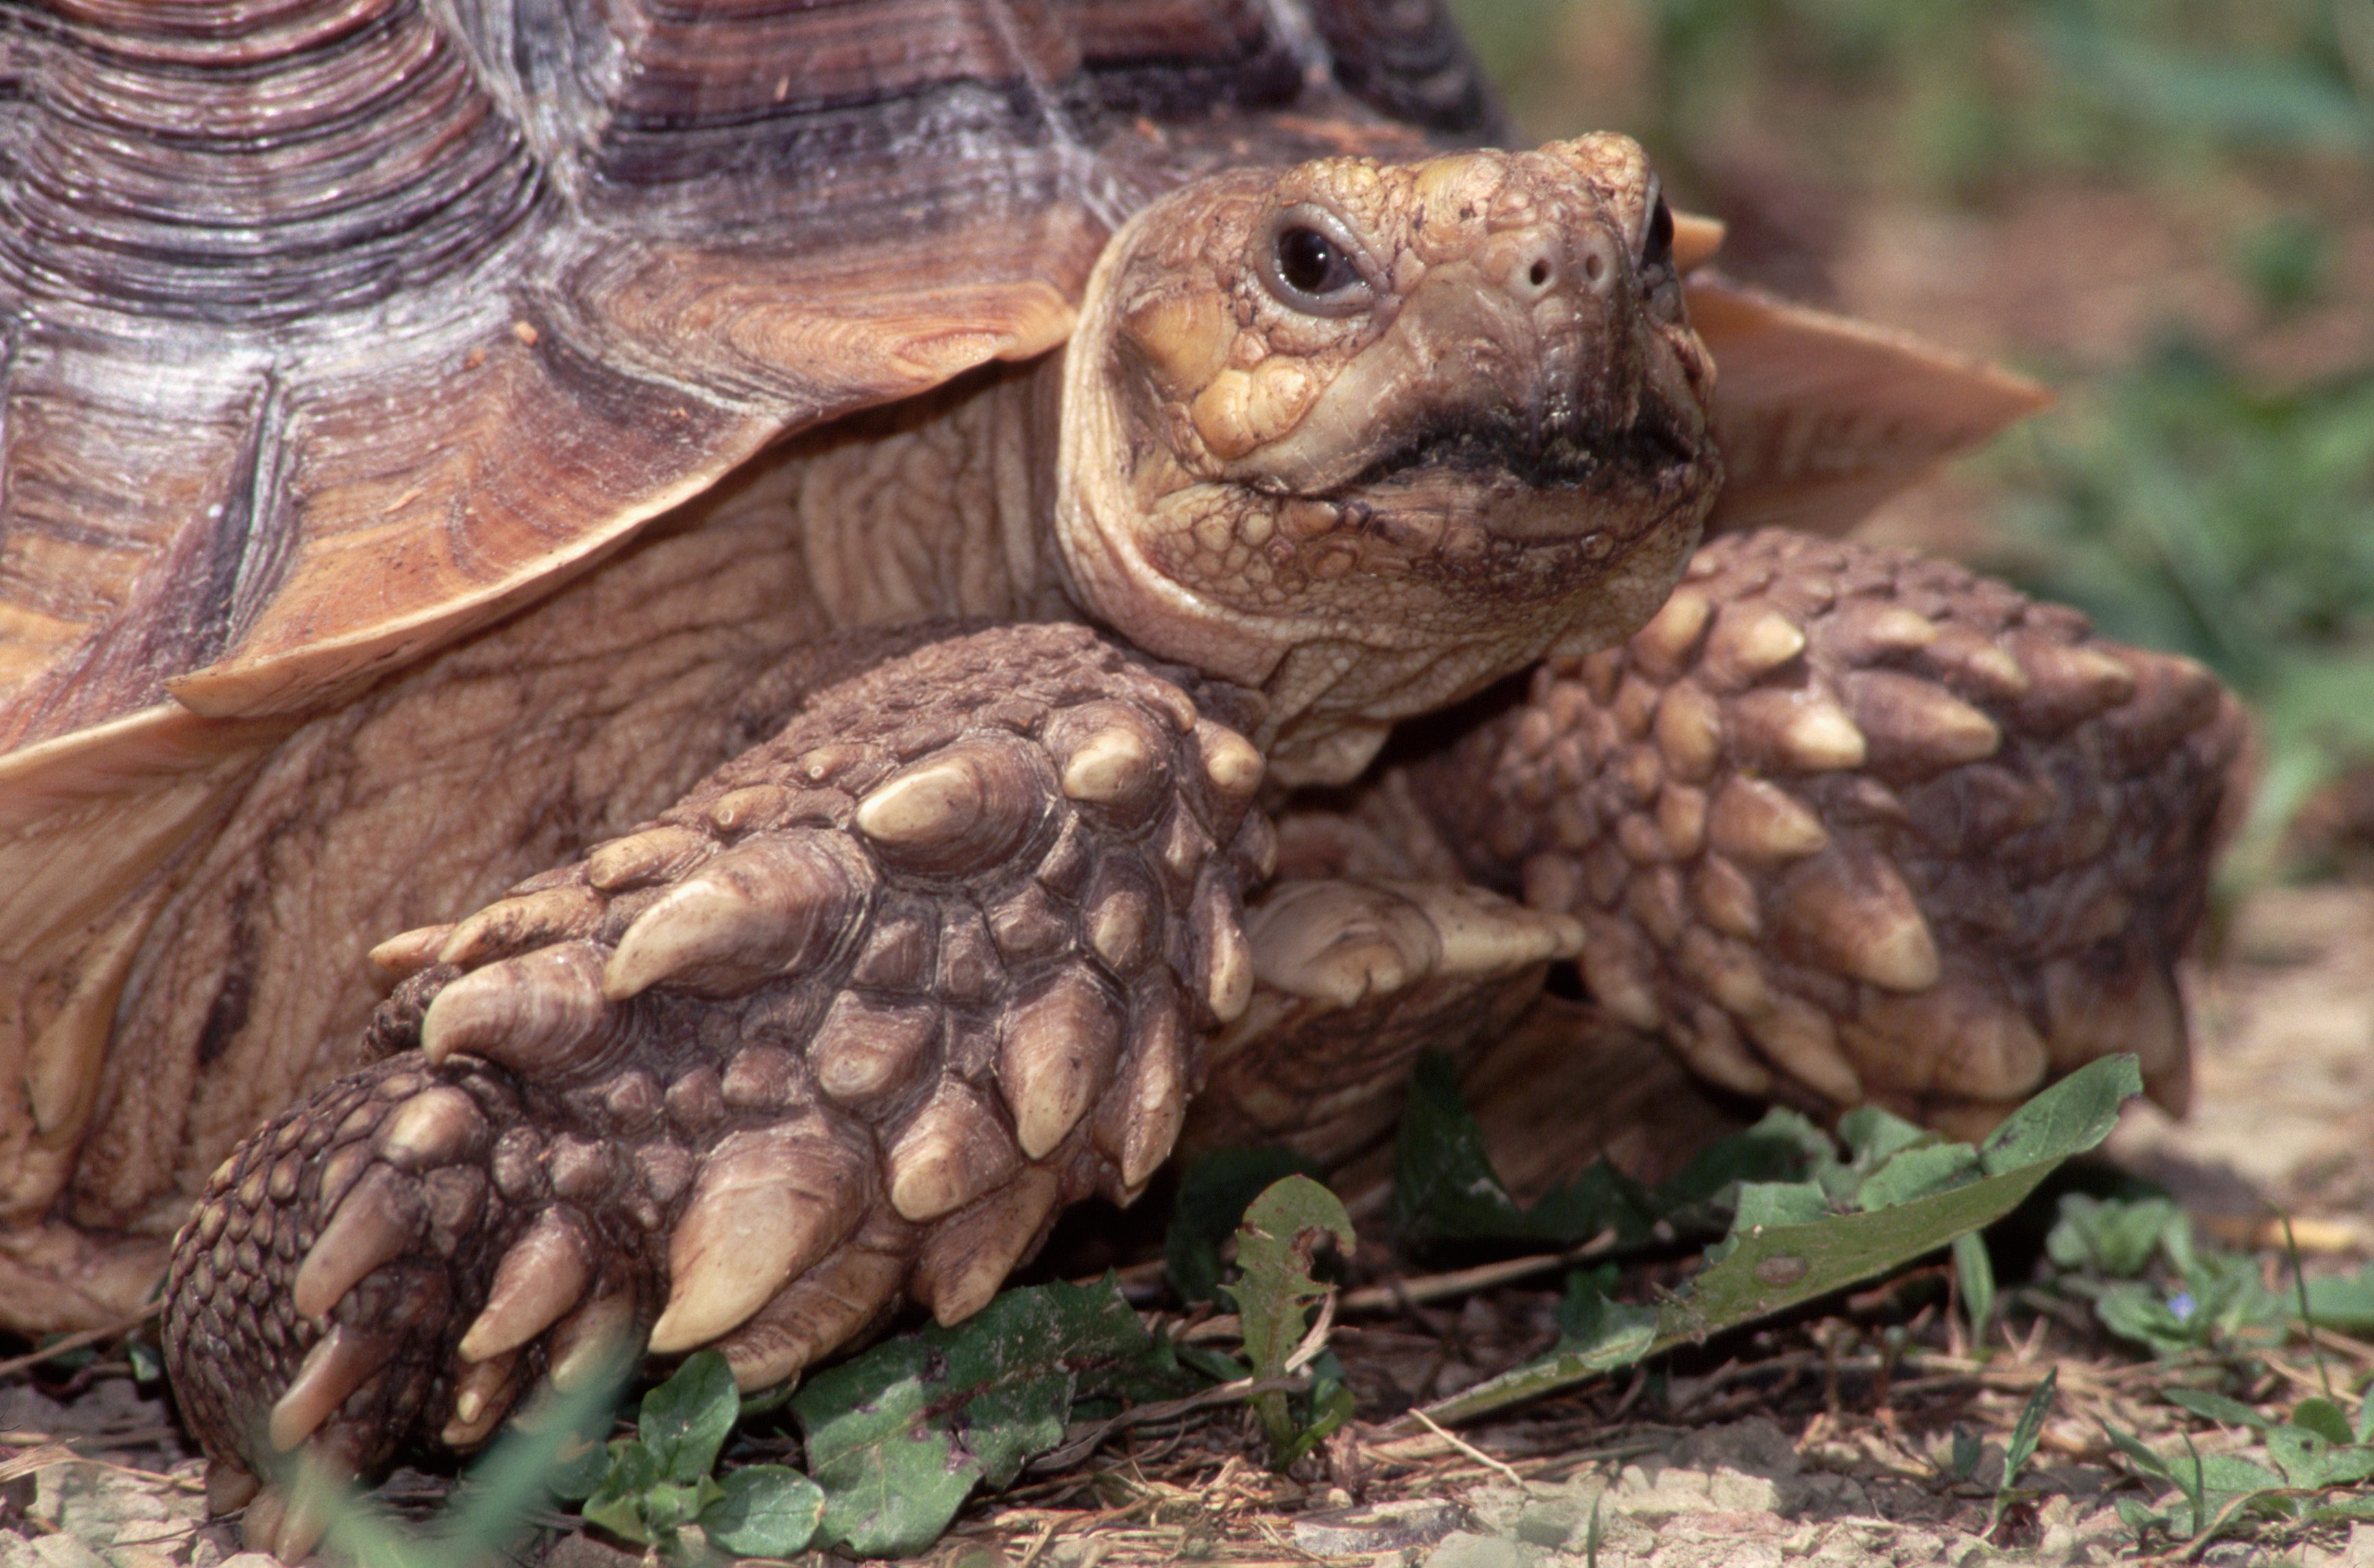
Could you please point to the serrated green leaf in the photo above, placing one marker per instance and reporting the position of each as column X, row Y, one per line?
column 686, row 1420
column 1761, row 1270
column 1213, row 1193
column 1282, row 1233
column 901, row 1435
column 1445, row 1188
column 764, row 1510
column 2216, row 1407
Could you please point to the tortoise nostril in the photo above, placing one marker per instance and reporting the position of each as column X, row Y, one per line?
column 1540, row 274
column 1595, row 267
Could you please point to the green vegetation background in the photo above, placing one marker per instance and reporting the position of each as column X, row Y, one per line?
column 2209, row 488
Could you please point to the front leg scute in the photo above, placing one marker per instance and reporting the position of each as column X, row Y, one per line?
column 847, row 1026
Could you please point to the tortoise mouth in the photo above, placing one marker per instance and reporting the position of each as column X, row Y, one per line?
column 1494, row 452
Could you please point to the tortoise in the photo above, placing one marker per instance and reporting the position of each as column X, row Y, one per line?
column 782, row 574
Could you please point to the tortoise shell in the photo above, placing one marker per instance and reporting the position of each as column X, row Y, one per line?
column 331, row 330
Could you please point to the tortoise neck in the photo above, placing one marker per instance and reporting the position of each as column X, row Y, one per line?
column 938, row 506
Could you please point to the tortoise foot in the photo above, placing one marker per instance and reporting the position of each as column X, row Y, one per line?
column 847, row 1027
column 1845, row 824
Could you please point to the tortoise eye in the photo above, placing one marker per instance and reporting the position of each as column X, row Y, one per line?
column 1657, row 239
column 1310, row 261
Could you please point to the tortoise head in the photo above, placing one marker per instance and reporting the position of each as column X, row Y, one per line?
column 1370, row 437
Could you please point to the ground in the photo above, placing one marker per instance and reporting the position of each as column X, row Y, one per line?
column 1825, row 1439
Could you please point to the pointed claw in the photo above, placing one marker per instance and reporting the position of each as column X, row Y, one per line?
column 967, row 807
column 530, row 920
column 2069, row 682
column 767, row 907
column 1339, row 941
column 1113, row 767
column 1234, row 764
column 971, row 1255
column 408, row 952
column 1056, row 1058
column 539, row 1279
column 1748, row 640
column 1913, row 722
column 769, row 1203
column 1756, row 820
column 482, row 1396
column 1803, row 1043
column 953, row 1151
column 227, row 1488
column 1663, row 645
column 1140, row 1119
column 1226, row 962
column 815, row 1314
column 1689, row 731
column 542, row 1012
column 1861, row 920
column 654, row 855
column 1802, row 731
column 376, row 1223
column 340, row 1361
column 593, row 1341
column 436, row 1126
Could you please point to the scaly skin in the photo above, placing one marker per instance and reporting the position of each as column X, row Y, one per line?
column 1847, row 825
column 848, row 1025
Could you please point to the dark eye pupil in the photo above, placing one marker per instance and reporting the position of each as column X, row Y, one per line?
column 1657, row 247
column 1310, row 261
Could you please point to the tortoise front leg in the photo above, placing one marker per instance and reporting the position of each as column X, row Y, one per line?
column 848, row 1025
column 1846, row 824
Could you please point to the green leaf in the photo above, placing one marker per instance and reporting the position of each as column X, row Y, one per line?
column 1445, row 1188
column 1212, row 1194
column 2144, row 1460
column 1917, row 1172
column 901, row 1435
column 764, row 1510
column 1282, row 1233
column 686, row 1420
column 1974, row 1268
column 2068, row 1118
column 2217, row 1407
column 1760, row 1269
column 2117, row 1238
column 2022, row 1446
column 2318, row 1414
column 2345, row 1302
